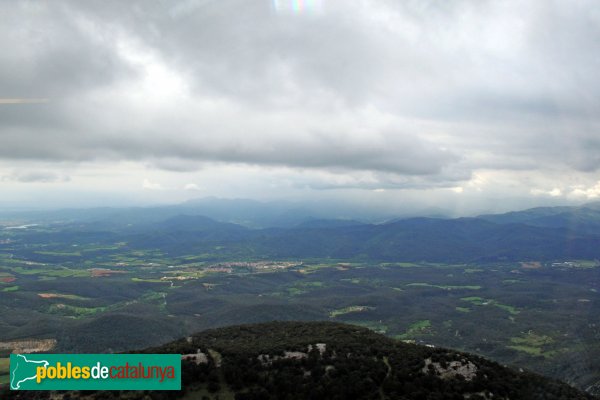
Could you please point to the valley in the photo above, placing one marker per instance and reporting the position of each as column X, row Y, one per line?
column 108, row 287
column 532, row 317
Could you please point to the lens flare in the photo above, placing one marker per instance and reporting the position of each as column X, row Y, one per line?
column 297, row 7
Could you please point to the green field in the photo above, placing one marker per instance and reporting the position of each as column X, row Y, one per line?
column 149, row 280
column 375, row 326
column 294, row 291
column 446, row 287
column 311, row 284
column 4, row 370
column 53, row 295
column 51, row 272
column 60, row 253
column 479, row 301
column 418, row 301
column 348, row 310
column 587, row 263
column 74, row 311
column 416, row 328
column 533, row 344
column 401, row 265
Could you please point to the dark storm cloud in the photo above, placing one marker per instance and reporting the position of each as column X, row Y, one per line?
column 427, row 91
column 399, row 154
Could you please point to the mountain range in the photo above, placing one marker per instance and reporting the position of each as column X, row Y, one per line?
column 552, row 233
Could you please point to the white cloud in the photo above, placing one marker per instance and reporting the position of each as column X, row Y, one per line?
column 556, row 192
column 147, row 184
column 491, row 97
column 590, row 192
column 191, row 186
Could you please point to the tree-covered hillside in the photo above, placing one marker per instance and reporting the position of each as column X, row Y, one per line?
column 323, row 360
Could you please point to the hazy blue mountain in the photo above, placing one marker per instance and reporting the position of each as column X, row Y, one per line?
column 415, row 239
column 195, row 223
column 585, row 218
column 249, row 213
column 428, row 239
column 327, row 223
column 536, row 234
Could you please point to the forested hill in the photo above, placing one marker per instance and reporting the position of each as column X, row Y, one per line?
column 323, row 360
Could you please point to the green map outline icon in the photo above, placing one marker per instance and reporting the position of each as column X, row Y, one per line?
column 19, row 362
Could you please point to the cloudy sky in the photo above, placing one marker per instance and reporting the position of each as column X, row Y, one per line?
column 465, row 105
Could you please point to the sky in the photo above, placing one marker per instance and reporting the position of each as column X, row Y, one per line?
column 468, row 106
